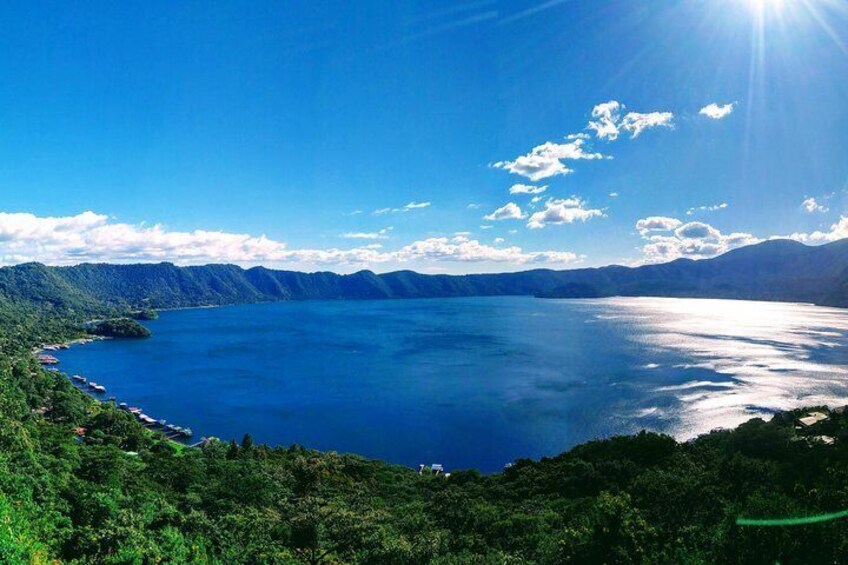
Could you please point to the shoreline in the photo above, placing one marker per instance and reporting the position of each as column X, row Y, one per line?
column 236, row 431
column 180, row 440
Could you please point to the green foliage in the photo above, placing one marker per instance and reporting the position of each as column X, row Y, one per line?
column 773, row 270
column 119, row 327
column 635, row 499
column 144, row 314
column 85, row 499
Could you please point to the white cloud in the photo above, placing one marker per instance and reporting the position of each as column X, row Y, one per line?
column 715, row 111
column 613, row 195
column 608, row 121
column 407, row 208
column 527, row 189
column 473, row 206
column 811, row 206
column 509, row 211
column 839, row 230
column 696, row 240
column 657, row 223
column 562, row 211
column 442, row 248
column 636, row 123
column 712, row 208
column 382, row 234
column 91, row 237
column 498, row 240
column 697, row 230
column 548, row 160
column 607, row 116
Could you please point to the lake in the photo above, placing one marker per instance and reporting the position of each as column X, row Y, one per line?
column 473, row 382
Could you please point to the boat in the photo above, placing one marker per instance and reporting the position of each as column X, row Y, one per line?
column 123, row 406
column 47, row 360
column 161, row 423
column 79, row 379
column 187, row 432
column 145, row 419
column 100, row 389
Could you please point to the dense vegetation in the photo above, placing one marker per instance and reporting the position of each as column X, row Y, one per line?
column 144, row 314
column 773, row 270
column 118, row 327
column 83, row 482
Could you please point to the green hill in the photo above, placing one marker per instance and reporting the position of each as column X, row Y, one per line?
column 82, row 482
column 774, row 270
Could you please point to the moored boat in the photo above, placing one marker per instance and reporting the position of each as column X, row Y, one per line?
column 47, row 360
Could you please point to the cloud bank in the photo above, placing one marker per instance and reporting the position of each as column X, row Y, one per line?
column 669, row 238
column 92, row 237
column 839, row 230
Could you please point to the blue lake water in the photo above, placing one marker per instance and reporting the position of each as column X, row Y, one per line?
column 472, row 382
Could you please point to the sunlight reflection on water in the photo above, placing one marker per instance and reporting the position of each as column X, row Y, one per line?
column 774, row 354
column 474, row 381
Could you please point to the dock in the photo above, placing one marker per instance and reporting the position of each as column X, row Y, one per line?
column 169, row 431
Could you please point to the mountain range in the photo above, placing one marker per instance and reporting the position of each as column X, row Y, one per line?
column 780, row 270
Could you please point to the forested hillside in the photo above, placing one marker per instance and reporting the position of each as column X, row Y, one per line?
column 774, row 270
column 83, row 482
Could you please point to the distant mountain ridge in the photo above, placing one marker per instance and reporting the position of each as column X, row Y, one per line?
column 781, row 270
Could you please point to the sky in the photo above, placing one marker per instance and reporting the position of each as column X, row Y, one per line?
column 444, row 137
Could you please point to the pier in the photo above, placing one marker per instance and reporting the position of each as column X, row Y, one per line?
column 169, row 431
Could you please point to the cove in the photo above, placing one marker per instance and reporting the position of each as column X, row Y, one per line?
column 472, row 382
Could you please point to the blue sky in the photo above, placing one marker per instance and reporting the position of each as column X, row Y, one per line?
column 271, row 133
